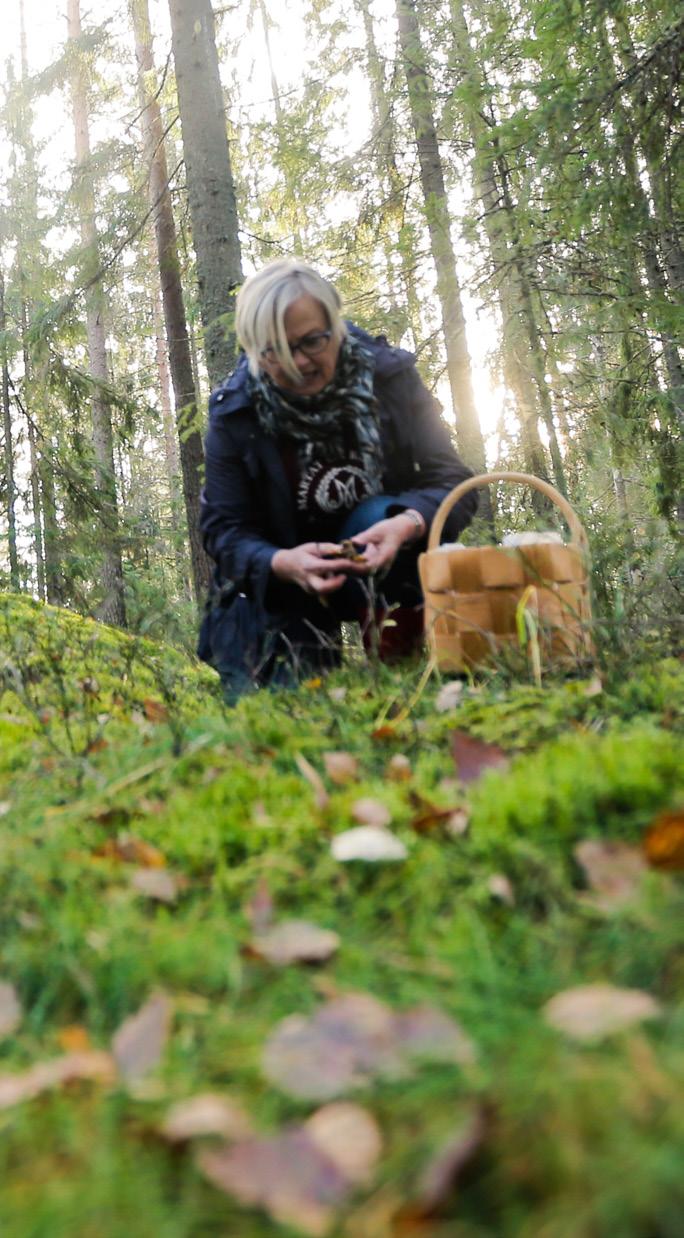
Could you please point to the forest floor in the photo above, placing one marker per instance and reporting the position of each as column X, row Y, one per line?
column 485, row 1039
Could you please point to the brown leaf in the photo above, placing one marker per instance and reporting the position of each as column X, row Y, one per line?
column 369, row 843
column 428, row 816
column 343, row 1044
column 139, row 1043
column 664, row 841
column 349, row 1136
column 474, row 757
column 260, row 909
column 155, row 883
column 369, row 811
column 399, row 768
column 613, row 870
column 441, row 1176
column 47, row 1075
column 287, row 1175
column 384, row 733
column 593, row 1011
column 353, row 1038
column 74, row 1039
column 430, row 1034
column 155, row 711
column 295, row 941
column 341, row 767
column 306, row 769
column 10, row 1009
column 205, row 1114
column 131, row 850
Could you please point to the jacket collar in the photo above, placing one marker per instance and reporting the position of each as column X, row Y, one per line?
column 232, row 394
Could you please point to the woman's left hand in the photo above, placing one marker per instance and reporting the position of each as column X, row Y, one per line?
column 384, row 540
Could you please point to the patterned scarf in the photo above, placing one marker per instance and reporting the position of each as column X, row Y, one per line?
column 336, row 432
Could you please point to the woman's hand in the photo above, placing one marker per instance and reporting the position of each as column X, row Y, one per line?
column 384, row 540
column 307, row 567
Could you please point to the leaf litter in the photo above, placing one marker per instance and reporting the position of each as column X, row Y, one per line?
column 354, row 1038
column 474, row 757
column 139, row 1043
column 294, row 941
column 613, row 870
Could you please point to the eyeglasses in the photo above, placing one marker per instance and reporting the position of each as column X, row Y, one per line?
column 311, row 345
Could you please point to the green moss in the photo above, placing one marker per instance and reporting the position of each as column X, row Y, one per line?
column 583, row 1140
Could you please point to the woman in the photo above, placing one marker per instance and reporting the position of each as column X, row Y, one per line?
column 322, row 434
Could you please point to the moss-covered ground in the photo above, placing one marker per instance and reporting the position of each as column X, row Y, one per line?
column 101, row 736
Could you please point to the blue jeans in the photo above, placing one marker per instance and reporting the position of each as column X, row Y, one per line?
column 399, row 585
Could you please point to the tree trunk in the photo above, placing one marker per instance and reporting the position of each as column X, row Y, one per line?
column 211, row 193
column 189, row 437
column 112, row 608
column 8, row 449
column 470, row 441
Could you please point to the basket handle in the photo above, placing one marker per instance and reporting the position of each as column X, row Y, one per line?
column 578, row 535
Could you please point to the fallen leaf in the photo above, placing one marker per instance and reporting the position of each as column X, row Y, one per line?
column 97, row 745
column 594, row 687
column 260, row 908
column 131, row 850
column 74, row 1039
column 155, row 883
column 664, row 841
column 441, row 1176
column 287, row 1175
column 500, row 887
column 47, row 1075
column 449, row 696
column 139, row 1043
column 399, row 768
column 155, row 711
column 367, row 842
column 474, row 757
column 10, row 1009
column 349, row 1136
column 384, row 732
column 428, row 816
column 205, row 1114
column 368, row 811
column 337, row 694
column 339, row 1047
column 295, row 941
column 613, row 870
column 430, row 1034
column 341, row 767
column 354, row 1038
column 314, row 780
column 592, row 1011
column 458, row 822
column 5, row 806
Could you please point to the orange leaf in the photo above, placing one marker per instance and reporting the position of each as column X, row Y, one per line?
column 131, row 850
column 664, row 841
column 74, row 1039
column 155, row 711
column 384, row 733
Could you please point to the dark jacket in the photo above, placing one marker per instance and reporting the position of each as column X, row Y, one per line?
column 247, row 510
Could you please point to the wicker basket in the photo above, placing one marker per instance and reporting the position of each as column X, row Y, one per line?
column 474, row 596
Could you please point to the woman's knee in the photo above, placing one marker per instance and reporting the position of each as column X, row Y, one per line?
column 368, row 512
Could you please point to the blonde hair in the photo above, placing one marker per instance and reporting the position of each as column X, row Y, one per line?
column 263, row 301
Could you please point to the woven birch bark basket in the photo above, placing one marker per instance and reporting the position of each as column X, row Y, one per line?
column 475, row 596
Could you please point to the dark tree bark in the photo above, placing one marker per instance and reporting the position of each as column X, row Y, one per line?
column 211, row 192
column 189, row 438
